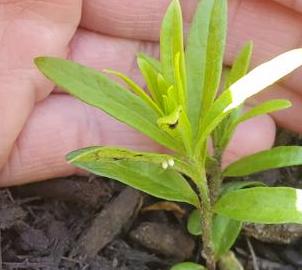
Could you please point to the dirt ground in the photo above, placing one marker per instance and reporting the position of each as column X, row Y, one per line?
column 94, row 223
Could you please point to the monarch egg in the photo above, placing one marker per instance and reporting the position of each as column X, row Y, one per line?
column 165, row 165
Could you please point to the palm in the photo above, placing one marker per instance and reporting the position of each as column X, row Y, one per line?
column 39, row 125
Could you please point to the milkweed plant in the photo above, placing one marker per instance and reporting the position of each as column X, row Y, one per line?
column 183, row 111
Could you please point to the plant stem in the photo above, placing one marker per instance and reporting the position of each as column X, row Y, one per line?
column 207, row 216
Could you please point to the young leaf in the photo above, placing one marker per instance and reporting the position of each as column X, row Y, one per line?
column 194, row 222
column 150, row 76
column 136, row 89
column 204, row 55
column 178, row 126
column 171, row 43
column 188, row 266
column 264, row 205
column 224, row 232
column 97, row 90
column 153, row 62
column 278, row 157
column 264, row 108
column 142, row 171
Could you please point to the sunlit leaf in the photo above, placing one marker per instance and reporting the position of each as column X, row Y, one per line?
column 97, row 90
column 249, row 85
column 204, row 55
column 153, row 62
column 264, row 205
column 171, row 43
column 150, row 76
column 136, row 89
column 225, row 129
column 264, row 75
column 278, row 157
column 188, row 266
column 147, row 172
column 178, row 126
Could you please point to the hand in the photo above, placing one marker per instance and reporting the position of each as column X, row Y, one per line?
column 40, row 124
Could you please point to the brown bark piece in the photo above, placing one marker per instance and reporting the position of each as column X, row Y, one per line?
column 108, row 224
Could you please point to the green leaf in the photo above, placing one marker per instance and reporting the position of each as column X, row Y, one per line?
column 225, row 129
column 150, row 76
column 97, row 90
column 171, row 43
column 136, row 89
column 148, row 172
column 224, row 232
column 264, row 108
column 264, row 205
column 178, row 126
column 204, row 55
column 249, row 85
column 235, row 185
column 194, row 222
column 188, row 266
column 278, row 157
column 153, row 62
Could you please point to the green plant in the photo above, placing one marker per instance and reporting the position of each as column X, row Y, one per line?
column 183, row 112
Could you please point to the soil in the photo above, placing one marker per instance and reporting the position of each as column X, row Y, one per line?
column 94, row 223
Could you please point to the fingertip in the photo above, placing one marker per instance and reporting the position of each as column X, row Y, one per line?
column 254, row 135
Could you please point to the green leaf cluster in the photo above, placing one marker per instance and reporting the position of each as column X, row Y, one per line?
column 184, row 107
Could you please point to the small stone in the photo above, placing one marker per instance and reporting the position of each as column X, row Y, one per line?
column 163, row 239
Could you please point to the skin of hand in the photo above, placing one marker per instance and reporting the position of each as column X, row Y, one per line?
column 39, row 124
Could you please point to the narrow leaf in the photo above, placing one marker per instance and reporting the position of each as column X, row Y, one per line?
column 97, row 90
column 264, row 108
column 171, row 42
column 235, row 185
column 249, row 85
column 139, row 170
column 150, row 76
column 188, row 266
column 277, row 157
column 153, row 62
column 264, row 205
column 264, row 75
column 204, row 54
column 224, row 131
column 137, row 90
